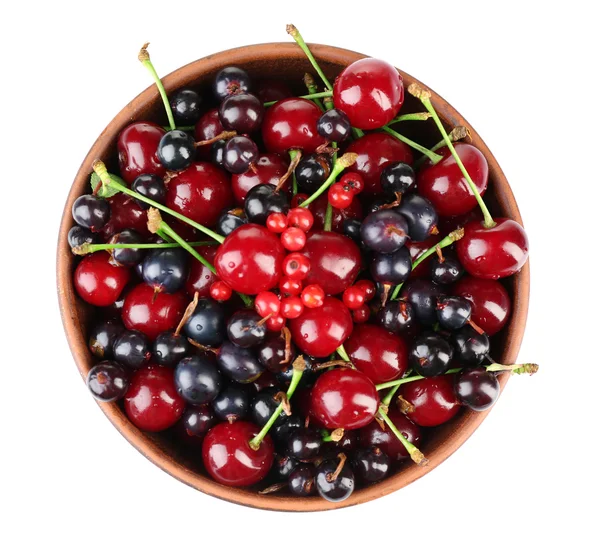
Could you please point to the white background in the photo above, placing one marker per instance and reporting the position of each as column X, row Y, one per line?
column 525, row 77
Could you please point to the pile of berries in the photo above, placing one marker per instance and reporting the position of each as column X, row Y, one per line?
column 344, row 295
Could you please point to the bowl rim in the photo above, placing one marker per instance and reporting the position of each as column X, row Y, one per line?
column 150, row 449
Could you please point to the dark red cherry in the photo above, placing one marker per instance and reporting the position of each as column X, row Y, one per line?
column 492, row 253
column 319, row 331
column 292, row 124
column 273, row 90
column 416, row 249
column 151, row 313
column 152, row 403
column 319, row 206
column 373, row 435
column 433, row 398
column 477, row 388
column 380, row 355
column 200, row 192
column 125, row 214
column 370, row 92
column 374, row 152
column 99, row 282
column 446, row 187
column 334, row 261
column 344, row 398
column 200, row 277
column 268, row 169
column 490, row 302
column 207, row 128
column 137, row 145
column 230, row 460
column 249, row 260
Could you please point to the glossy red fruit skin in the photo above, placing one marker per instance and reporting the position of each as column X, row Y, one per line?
column 97, row 281
column 416, row 249
column 344, row 398
column 319, row 331
column 249, row 260
column 492, row 253
column 200, row 192
column 207, row 128
column 319, row 206
column 200, row 278
column 378, row 354
column 292, row 124
column 434, row 400
column 137, row 145
column 125, row 214
column 270, row 167
column 230, row 460
column 374, row 152
column 150, row 314
column 491, row 305
column 334, row 261
column 374, row 436
column 446, row 187
column 370, row 92
column 152, row 403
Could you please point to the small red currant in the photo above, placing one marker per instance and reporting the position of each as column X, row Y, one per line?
column 296, row 266
column 277, row 222
column 291, row 307
column 362, row 314
column 267, row 303
column 368, row 287
column 300, row 218
column 220, row 291
column 293, row 239
column 354, row 181
column 339, row 196
column 313, row 296
column 275, row 323
column 290, row 287
column 354, row 297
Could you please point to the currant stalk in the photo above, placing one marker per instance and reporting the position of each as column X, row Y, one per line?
column 346, row 160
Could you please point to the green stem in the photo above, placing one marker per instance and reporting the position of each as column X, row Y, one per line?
column 328, row 217
column 413, row 451
column 395, row 385
column 446, row 242
column 357, row 133
column 433, row 156
column 346, row 160
column 425, row 97
column 307, row 96
column 456, row 134
column 88, row 248
column 311, row 86
column 100, row 169
column 171, row 233
column 516, row 369
column 343, row 354
column 410, row 117
column 144, row 57
column 295, row 34
column 293, row 153
column 164, row 236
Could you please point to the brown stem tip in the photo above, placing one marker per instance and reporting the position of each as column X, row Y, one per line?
column 347, row 159
column 336, row 435
column 191, row 308
column 309, row 80
column 457, row 234
column 291, row 30
column 154, row 220
column 282, row 398
column 144, row 55
column 404, row 405
column 81, row 250
column 417, row 456
column 332, row 477
column 459, row 133
column 419, row 92
column 299, row 363
column 273, row 488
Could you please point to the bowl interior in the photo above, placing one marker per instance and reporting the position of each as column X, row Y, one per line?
column 280, row 61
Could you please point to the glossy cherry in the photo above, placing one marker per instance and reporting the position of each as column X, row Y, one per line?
column 137, row 145
column 338, row 216
column 268, row 169
column 152, row 403
column 477, row 388
column 417, row 248
column 380, row 355
column 200, row 278
column 433, row 398
column 98, row 281
column 370, row 92
column 373, row 435
column 125, row 214
column 344, row 398
column 208, row 127
column 230, row 460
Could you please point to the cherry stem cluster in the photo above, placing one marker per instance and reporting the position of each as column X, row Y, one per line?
column 88, row 248
column 434, row 157
column 295, row 34
column 314, row 95
column 456, row 134
column 415, row 454
column 346, row 160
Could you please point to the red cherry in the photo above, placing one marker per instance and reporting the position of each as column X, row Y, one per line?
column 296, row 266
column 354, row 181
column 446, row 187
column 313, row 296
column 491, row 253
column 344, row 398
column 416, row 249
column 320, row 331
column 152, row 403
column 374, row 436
column 433, row 398
column 319, row 206
column 200, row 192
column 277, row 222
column 446, row 225
column 207, row 128
column 290, row 287
column 267, row 303
column 137, row 145
column 276, row 323
column 293, row 239
column 300, row 218
column 298, row 199
column 273, row 90
column 292, row 124
column 200, row 278
column 339, row 196
column 362, row 314
column 230, row 460
column 220, row 291
column 489, row 300
column 380, row 355
column 249, row 260
column 334, row 261
column 268, row 169
column 354, row 297
column 99, row 282
column 152, row 313
column 374, row 152
column 370, row 92
column 368, row 287
column 125, row 214
column 291, row 307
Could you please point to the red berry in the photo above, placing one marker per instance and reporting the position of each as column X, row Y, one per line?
column 293, row 239
column 267, row 303
column 99, row 282
column 277, row 222
column 434, row 400
column 300, row 218
column 137, row 145
column 276, row 323
column 362, row 314
column 340, row 196
column 200, row 278
column 219, row 290
column 290, row 287
column 354, row 297
column 354, row 181
column 298, row 199
column 313, row 296
column 291, row 307
column 296, row 266
column 368, row 287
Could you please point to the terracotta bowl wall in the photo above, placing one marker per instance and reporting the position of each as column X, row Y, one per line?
column 279, row 60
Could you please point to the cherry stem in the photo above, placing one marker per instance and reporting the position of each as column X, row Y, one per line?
column 410, row 117
column 343, row 354
column 100, row 169
column 516, row 369
column 433, row 156
column 414, row 452
column 144, row 57
column 297, row 371
column 329, row 210
column 225, row 135
column 295, row 156
column 88, row 248
column 287, row 337
column 425, row 97
column 357, row 132
column 456, row 134
column 191, row 307
column 164, row 237
column 184, row 128
column 346, row 160
column 295, row 34
column 316, row 95
column 446, row 242
column 311, row 86
column 328, row 217
column 334, row 436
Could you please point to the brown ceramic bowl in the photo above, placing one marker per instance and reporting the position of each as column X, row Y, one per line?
column 280, row 60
